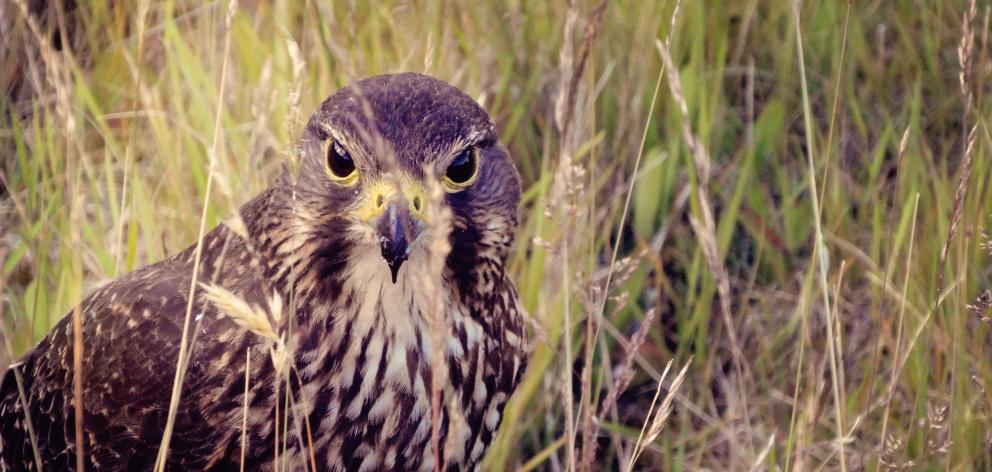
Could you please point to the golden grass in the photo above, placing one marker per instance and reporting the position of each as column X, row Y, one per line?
column 182, row 360
column 798, row 214
column 820, row 249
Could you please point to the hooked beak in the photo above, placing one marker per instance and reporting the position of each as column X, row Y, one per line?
column 395, row 228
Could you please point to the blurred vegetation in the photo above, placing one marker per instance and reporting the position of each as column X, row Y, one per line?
column 107, row 122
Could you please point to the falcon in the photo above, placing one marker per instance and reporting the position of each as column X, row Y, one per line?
column 339, row 253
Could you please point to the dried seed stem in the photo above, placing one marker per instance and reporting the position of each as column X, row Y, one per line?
column 198, row 251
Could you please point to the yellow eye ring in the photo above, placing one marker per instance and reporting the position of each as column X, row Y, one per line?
column 462, row 171
column 339, row 164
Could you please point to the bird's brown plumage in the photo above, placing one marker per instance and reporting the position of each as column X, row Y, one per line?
column 360, row 377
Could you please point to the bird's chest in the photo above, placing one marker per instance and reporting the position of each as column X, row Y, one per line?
column 370, row 381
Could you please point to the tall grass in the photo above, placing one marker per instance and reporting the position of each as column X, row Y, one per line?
column 815, row 261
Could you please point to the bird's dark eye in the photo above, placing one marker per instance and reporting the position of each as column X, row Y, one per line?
column 339, row 162
column 463, row 169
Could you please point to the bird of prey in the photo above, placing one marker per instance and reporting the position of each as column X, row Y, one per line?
column 345, row 241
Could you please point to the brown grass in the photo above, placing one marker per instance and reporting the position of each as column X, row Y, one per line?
column 182, row 360
column 770, row 231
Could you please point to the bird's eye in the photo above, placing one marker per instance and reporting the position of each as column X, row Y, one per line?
column 462, row 171
column 340, row 166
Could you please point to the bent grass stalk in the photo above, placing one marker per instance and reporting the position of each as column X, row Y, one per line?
column 820, row 248
column 197, row 252
column 899, row 332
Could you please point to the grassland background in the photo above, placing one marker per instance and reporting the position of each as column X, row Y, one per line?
column 105, row 130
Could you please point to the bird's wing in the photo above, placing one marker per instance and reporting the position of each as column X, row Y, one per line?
column 131, row 333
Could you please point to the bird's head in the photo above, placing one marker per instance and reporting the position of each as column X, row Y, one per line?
column 374, row 150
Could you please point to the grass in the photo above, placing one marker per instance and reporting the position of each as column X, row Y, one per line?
column 804, row 220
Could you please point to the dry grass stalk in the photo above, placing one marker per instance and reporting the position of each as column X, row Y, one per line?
column 306, row 422
column 959, row 197
column 57, row 74
column 143, row 6
column 439, row 221
column 295, row 121
column 654, row 423
column 965, row 48
column 763, row 454
column 901, row 362
column 250, row 317
column 277, row 384
column 625, row 372
column 570, row 70
column 266, row 325
column 640, row 153
column 820, row 248
column 586, row 407
column 837, row 81
column 22, row 397
column 237, row 225
column 965, row 60
column 566, row 189
column 885, row 284
column 648, row 417
column 982, row 306
column 838, row 340
column 899, row 330
column 244, row 411
column 60, row 78
column 565, row 378
column 590, row 445
column 77, row 372
column 197, row 252
column 705, row 229
column 984, row 407
column 890, row 455
column 935, row 430
column 535, row 326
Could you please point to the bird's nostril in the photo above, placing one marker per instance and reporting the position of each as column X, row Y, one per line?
column 380, row 200
column 416, row 203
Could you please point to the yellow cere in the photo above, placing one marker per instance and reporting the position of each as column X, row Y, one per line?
column 376, row 195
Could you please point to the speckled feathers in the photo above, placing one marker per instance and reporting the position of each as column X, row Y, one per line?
column 360, row 342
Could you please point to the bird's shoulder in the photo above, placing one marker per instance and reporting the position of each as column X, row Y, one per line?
column 131, row 329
